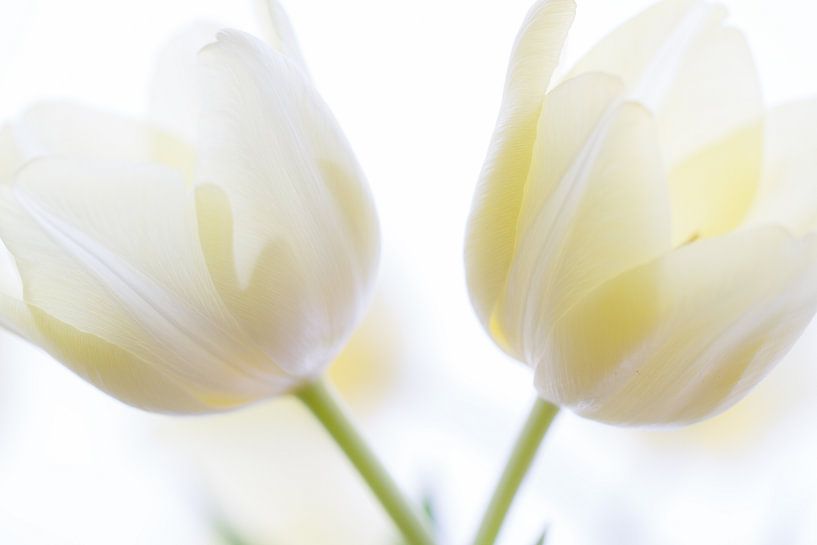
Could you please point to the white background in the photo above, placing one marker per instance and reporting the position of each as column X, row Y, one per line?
column 416, row 86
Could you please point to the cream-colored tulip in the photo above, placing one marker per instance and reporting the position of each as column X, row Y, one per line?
column 641, row 235
column 199, row 263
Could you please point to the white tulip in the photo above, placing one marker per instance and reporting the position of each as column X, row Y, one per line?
column 218, row 254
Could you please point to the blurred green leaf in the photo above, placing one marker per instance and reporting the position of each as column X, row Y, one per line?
column 229, row 535
column 428, row 507
column 542, row 538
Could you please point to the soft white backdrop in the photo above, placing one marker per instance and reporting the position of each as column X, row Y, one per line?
column 416, row 86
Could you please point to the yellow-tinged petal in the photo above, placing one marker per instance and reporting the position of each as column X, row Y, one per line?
column 119, row 372
column 713, row 190
column 699, row 79
column 111, row 249
column 15, row 316
column 595, row 205
column 111, row 368
column 491, row 236
column 788, row 191
column 686, row 335
column 304, row 238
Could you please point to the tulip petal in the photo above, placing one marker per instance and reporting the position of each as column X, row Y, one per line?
column 277, row 31
column 12, row 156
column 175, row 100
column 11, row 284
column 678, row 59
column 713, row 190
column 788, row 191
column 304, row 228
column 112, row 250
column 72, row 130
column 175, row 95
column 595, row 205
column 492, row 231
column 111, row 368
column 16, row 317
column 687, row 335
column 274, row 308
column 115, row 370
column 699, row 79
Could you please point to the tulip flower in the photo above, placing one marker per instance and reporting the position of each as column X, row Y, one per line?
column 192, row 273
column 219, row 254
column 640, row 236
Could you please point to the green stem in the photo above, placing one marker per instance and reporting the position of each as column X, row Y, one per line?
column 325, row 407
column 541, row 415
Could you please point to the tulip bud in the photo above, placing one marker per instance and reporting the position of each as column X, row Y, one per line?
column 621, row 241
column 192, row 271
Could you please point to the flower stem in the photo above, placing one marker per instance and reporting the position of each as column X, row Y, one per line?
column 539, row 419
column 326, row 408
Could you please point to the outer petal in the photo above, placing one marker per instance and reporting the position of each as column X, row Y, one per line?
column 15, row 316
column 305, row 239
column 111, row 250
column 115, row 370
column 12, row 156
column 277, row 30
column 687, row 335
column 788, row 192
column 595, row 205
column 175, row 100
column 699, row 78
column 492, row 234
column 72, row 130
column 111, row 368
